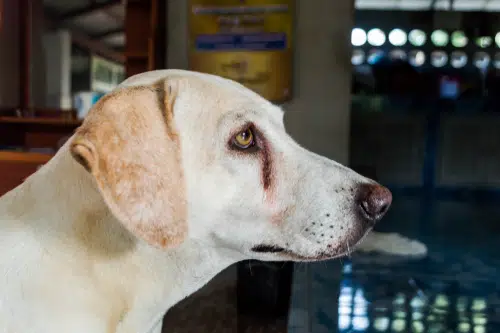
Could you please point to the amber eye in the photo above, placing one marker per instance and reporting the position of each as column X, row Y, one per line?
column 244, row 140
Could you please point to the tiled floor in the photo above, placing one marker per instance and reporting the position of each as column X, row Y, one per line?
column 455, row 289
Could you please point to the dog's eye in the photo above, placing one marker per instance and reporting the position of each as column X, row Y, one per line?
column 244, row 139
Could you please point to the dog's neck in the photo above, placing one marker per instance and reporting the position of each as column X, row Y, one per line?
column 62, row 204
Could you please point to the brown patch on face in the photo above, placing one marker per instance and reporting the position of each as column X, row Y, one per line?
column 129, row 144
column 267, row 167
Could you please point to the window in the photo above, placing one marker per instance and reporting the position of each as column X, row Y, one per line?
column 417, row 37
column 439, row 58
column 416, row 58
column 459, row 39
column 440, row 38
column 397, row 37
column 358, row 37
column 376, row 37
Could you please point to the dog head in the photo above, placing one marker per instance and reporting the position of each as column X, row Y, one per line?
column 179, row 155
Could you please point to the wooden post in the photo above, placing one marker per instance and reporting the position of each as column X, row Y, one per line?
column 25, row 13
column 145, row 32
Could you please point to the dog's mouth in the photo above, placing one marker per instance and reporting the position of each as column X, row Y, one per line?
column 291, row 255
column 345, row 248
column 263, row 248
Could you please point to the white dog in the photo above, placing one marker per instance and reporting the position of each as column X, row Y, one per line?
column 171, row 178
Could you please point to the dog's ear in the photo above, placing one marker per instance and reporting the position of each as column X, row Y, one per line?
column 129, row 144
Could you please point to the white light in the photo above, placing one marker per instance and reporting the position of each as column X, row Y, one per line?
column 358, row 57
column 397, row 37
column 417, row 37
column 441, row 300
column 399, row 325
column 496, row 62
column 376, row 37
column 440, row 38
column 374, row 55
column 481, row 60
column 484, row 42
column 497, row 39
column 458, row 39
column 439, row 59
column 417, row 58
column 479, row 329
column 344, row 310
column 478, row 304
column 418, row 327
column 479, row 320
column 464, row 327
column 360, row 311
column 381, row 324
column 399, row 299
column 344, row 322
column 458, row 59
column 417, row 316
column 360, row 323
column 398, row 54
column 358, row 37
column 417, row 302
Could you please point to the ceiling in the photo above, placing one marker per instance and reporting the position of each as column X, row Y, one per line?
column 99, row 24
column 95, row 23
column 418, row 5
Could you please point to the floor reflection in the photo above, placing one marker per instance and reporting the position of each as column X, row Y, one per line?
column 363, row 309
column 455, row 289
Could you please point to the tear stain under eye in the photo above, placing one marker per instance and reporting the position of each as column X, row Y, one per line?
column 267, row 166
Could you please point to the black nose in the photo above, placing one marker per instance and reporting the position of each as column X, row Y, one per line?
column 373, row 201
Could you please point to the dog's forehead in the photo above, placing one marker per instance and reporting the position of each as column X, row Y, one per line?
column 219, row 95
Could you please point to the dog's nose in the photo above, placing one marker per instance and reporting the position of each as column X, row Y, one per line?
column 374, row 201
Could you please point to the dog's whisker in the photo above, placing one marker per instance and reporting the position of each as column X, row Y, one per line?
column 348, row 249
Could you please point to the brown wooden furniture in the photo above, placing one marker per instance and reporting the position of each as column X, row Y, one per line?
column 34, row 133
column 145, row 35
column 36, row 128
column 41, row 128
column 16, row 166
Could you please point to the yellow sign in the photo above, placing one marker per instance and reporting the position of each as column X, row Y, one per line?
column 249, row 41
